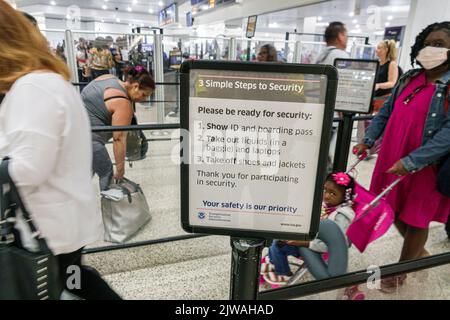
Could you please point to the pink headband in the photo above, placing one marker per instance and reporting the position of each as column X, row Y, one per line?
column 139, row 69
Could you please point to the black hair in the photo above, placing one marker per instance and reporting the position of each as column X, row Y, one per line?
column 348, row 191
column 420, row 39
column 333, row 31
column 141, row 76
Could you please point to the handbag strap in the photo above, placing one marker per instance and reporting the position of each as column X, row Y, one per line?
column 16, row 201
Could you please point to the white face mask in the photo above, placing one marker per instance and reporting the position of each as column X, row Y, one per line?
column 432, row 57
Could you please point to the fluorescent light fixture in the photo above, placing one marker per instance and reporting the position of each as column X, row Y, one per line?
column 273, row 25
column 319, row 18
column 390, row 18
column 117, row 19
column 379, row 33
column 351, row 14
column 135, row 1
column 160, row 3
column 103, row 20
column 130, row 25
column 104, row 7
column 355, row 21
column 105, row 0
column 129, row 9
column 205, row 7
column 358, row 26
column 387, row 24
column 322, row 24
column 150, row 11
column 68, row 17
column 53, row 3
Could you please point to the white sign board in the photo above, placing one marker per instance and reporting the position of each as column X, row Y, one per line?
column 356, row 85
column 255, row 150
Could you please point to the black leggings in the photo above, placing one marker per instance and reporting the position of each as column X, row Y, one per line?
column 93, row 287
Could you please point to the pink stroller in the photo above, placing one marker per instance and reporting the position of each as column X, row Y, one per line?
column 373, row 219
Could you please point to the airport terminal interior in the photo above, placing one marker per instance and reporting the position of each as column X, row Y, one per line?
column 161, row 260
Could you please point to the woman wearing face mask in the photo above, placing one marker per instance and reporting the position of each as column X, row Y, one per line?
column 109, row 103
column 416, row 138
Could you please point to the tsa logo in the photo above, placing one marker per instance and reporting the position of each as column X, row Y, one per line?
column 201, row 215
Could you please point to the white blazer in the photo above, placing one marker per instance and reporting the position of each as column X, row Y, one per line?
column 45, row 130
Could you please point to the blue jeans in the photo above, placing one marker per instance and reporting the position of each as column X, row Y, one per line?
column 102, row 165
column 279, row 257
column 331, row 234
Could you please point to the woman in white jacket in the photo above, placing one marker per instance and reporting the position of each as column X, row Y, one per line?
column 45, row 131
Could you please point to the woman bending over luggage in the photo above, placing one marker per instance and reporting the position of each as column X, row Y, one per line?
column 108, row 101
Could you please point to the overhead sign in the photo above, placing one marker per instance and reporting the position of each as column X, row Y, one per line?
column 356, row 85
column 394, row 33
column 251, row 26
column 168, row 15
column 255, row 145
column 203, row 5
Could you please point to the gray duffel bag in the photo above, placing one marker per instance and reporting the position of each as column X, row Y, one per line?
column 125, row 211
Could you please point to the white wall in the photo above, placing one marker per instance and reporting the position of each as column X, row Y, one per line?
column 422, row 14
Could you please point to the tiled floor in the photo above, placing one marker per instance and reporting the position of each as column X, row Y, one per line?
column 200, row 268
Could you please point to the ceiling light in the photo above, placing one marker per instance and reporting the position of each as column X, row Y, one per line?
column 150, row 11
column 319, row 18
column 160, row 3
column 322, row 24
column 387, row 24
column 106, row 0
column 103, row 20
column 117, row 19
column 205, row 7
column 351, row 14
column 53, row 3
column 135, row 1
column 355, row 21
column 357, row 26
column 129, row 9
column 273, row 25
column 390, row 18
column 104, row 7
column 379, row 33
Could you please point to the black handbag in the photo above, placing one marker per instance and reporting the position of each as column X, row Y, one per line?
column 24, row 275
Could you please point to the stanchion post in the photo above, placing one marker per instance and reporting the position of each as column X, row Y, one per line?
column 245, row 265
column 232, row 54
column 344, row 140
column 249, row 49
column 159, row 77
column 71, row 57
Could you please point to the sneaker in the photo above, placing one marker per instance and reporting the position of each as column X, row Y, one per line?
column 354, row 294
column 276, row 280
column 266, row 266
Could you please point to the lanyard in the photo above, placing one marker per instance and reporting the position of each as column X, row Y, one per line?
column 413, row 94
